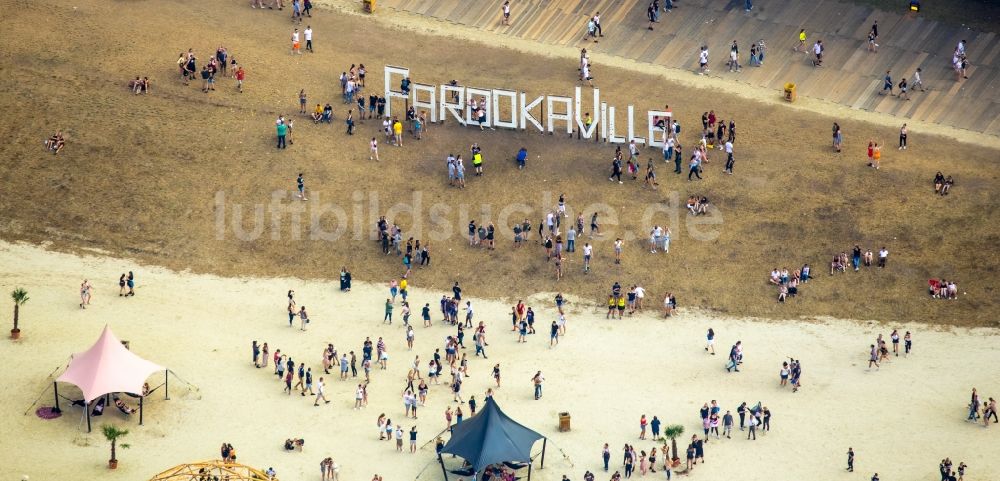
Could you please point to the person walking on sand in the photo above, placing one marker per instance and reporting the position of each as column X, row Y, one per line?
column 121, row 285
column 301, row 376
column 873, row 358
column 850, row 459
column 292, row 309
column 130, row 283
column 505, row 11
column 710, row 344
column 734, row 357
column 537, row 380
column 373, row 146
column 303, row 318
column 86, row 291
column 320, row 392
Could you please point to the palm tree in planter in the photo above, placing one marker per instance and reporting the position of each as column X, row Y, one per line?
column 673, row 432
column 113, row 434
column 20, row 297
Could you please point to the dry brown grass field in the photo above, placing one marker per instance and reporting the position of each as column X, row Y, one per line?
column 140, row 174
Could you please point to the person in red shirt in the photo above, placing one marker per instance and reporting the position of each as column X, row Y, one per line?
column 240, row 75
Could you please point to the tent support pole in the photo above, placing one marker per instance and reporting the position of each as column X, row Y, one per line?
column 443, row 470
column 529, row 471
column 140, row 411
column 55, row 388
column 166, row 384
column 86, row 406
column 544, row 442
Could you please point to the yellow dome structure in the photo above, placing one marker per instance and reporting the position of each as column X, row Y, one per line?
column 215, row 470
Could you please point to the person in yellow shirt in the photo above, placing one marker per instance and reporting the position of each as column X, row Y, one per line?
column 802, row 40
column 403, row 284
column 317, row 114
column 397, row 130
column 621, row 306
column 611, row 306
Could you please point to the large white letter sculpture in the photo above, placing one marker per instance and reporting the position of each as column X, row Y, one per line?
column 389, row 92
column 452, row 102
column 654, row 139
column 430, row 104
column 588, row 132
column 526, row 109
column 511, row 97
column 470, row 113
column 552, row 116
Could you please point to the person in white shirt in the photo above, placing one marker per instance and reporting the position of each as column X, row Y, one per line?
column 374, row 149
column 587, row 252
column 295, row 42
column 703, row 61
column 585, row 75
column 818, row 51
column 320, row 392
column 882, row 255
column 308, row 33
column 639, row 294
column 729, row 158
column 918, row 81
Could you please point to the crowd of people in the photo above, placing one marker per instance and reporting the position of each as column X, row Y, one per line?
column 716, row 134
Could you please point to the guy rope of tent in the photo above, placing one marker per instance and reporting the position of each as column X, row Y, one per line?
column 214, row 469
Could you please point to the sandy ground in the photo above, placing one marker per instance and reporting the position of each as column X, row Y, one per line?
column 900, row 420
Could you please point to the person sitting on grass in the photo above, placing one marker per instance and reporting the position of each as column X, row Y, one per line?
column 946, row 187
column 139, row 86
column 135, row 85
column 56, row 142
column 938, row 182
column 775, row 277
column 701, row 207
column 836, row 265
column 782, row 293
column 328, row 113
column 317, row 114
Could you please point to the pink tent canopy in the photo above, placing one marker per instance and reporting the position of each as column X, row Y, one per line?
column 108, row 367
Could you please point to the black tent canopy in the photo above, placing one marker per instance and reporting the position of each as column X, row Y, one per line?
column 491, row 437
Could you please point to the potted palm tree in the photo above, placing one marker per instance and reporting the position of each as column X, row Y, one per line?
column 113, row 434
column 674, row 431
column 20, row 297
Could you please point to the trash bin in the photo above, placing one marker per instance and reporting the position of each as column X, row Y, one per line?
column 790, row 92
column 369, row 6
column 563, row 422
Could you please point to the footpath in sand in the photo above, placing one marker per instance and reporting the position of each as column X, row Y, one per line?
column 901, row 420
column 846, row 87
